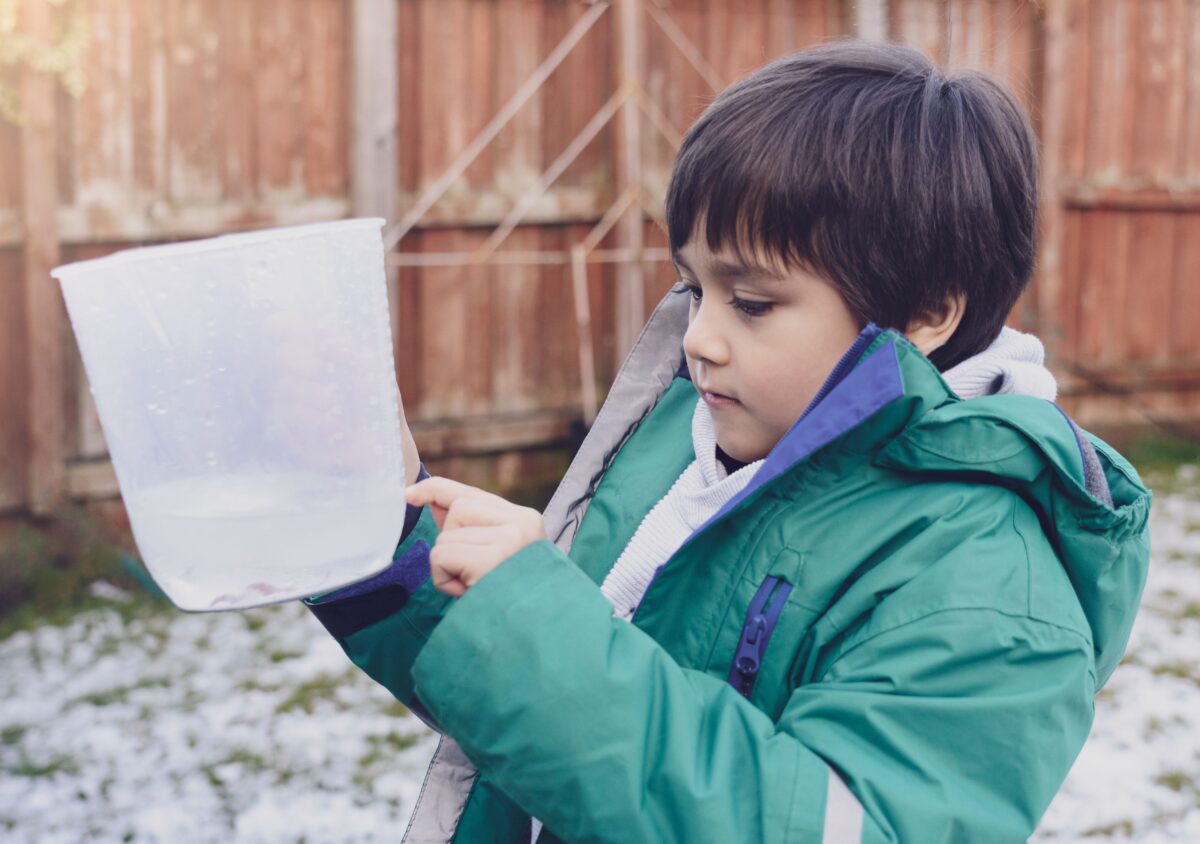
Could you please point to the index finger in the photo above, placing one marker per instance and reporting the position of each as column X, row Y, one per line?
column 442, row 492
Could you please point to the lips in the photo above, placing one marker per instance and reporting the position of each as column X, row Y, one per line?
column 716, row 399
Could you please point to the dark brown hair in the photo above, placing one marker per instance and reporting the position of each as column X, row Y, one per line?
column 862, row 162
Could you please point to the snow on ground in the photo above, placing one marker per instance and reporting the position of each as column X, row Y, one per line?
column 254, row 727
column 227, row 727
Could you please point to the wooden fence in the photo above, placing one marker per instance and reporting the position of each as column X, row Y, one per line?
column 204, row 116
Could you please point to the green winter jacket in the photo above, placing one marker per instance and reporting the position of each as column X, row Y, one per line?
column 894, row 633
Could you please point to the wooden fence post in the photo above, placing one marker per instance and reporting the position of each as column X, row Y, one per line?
column 630, row 298
column 1059, row 16
column 871, row 19
column 44, row 313
column 375, row 56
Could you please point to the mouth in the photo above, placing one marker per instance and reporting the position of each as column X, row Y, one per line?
column 717, row 399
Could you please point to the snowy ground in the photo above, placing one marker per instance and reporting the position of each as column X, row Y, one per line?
column 253, row 727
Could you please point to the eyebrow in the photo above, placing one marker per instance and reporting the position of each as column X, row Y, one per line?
column 731, row 271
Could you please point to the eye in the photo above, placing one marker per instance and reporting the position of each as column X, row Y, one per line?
column 751, row 308
column 691, row 289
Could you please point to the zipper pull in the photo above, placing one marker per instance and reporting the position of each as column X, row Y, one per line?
column 761, row 618
column 750, row 648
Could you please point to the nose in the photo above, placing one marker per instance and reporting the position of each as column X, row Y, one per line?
column 704, row 339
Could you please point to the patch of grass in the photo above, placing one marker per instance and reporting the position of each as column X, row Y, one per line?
column 1176, row 780
column 47, row 569
column 1182, row 670
column 307, row 694
column 120, row 694
column 1122, row 827
column 12, row 735
column 395, row 709
column 1157, row 452
column 284, row 655
column 33, row 770
column 254, row 621
column 247, row 759
column 1190, row 610
column 1131, row 658
column 395, row 741
column 383, row 749
column 210, row 774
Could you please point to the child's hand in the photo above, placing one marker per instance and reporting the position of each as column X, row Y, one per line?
column 479, row 531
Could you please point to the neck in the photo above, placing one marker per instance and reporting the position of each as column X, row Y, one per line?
column 728, row 462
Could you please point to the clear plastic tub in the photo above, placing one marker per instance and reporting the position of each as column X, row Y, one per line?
column 247, row 391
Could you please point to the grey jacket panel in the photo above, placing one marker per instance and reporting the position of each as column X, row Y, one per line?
column 640, row 383
column 443, row 795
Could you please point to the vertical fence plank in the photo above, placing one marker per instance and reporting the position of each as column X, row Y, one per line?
column 236, row 24
column 374, row 138
column 14, row 378
column 1061, row 24
column 871, row 19
column 279, row 87
column 325, row 98
column 375, row 96
column 44, row 314
column 630, row 281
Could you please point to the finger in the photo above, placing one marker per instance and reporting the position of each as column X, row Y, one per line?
column 474, row 535
column 447, row 583
column 439, row 515
column 463, row 561
column 443, row 492
column 477, row 512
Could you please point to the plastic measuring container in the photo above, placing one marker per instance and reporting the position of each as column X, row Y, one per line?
column 247, row 391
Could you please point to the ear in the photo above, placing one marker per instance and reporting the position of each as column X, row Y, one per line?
column 934, row 328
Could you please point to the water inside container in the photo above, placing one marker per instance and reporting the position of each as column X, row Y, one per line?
column 298, row 532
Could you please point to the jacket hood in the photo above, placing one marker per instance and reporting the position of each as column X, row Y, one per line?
column 1013, row 364
column 1090, row 500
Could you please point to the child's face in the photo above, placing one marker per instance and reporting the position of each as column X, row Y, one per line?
column 763, row 338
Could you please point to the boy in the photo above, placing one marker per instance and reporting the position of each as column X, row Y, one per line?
column 826, row 582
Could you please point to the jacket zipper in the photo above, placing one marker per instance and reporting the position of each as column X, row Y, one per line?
column 761, row 618
column 843, row 366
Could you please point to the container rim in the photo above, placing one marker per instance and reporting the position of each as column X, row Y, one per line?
column 232, row 240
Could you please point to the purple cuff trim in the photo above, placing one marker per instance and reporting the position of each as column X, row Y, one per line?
column 362, row 604
column 413, row 514
column 409, row 570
